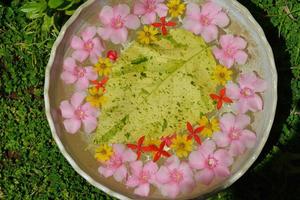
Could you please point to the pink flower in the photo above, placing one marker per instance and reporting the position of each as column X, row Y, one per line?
column 234, row 134
column 232, row 51
column 116, row 20
column 116, row 165
column 210, row 161
column 174, row 177
column 87, row 45
column 148, row 10
column 205, row 21
column 142, row 176
column 245, row 92
column 75, row 114
column 74, row 73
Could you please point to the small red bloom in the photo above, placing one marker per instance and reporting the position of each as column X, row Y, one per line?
column 163, row 24
column 113, row 55
column 194, row 133
column 168, row 139
column 159, row 151
column 221, row 98
column 100, row 84
column 139, row 148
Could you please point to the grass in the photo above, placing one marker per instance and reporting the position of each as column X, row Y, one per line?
column 31, row 166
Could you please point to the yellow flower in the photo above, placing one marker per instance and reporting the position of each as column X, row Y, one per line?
column 182, row 146
column 103, row 153
column 210, row 126
column 176, row 8
column 95, row 97
column 147, row 35
column 151, row 140
column 103, row 67
column 221, row 74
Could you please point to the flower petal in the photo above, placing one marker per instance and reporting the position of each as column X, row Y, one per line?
column 121, row 10
column 77, row 43
column 142, row 190
column 90, row 73
column 67, row 110
column 196, row 160
column 192, row 25
column 207, row 147
column 161, row 10
column 132, row 181
column 106, row 15
column 210, row 8
column 90, row 124
column 227, row 121
column 209, row 33
column 69, row 64
column 77, row 99
column 82, row 84
column 221, row 19
column 239, row 43
column 129, row 156
column 193, row 11
column 118, row 149
column 119, row 36
column 205, row 176
column 162, row 175
column 106, row 172
column 226, row 40
column 139, row 9
column 221, row 171
column 223, row 157
column 120, row 173
column 68, row 77
column 136, row 167
column 149, row 18
column 255, row 103
column 241, row 121
column 104, row 32
column 170, row 190
column 151, row 167
column 248, row 138
column 132, row 22
column 236, row 148
column 241, row 57
column 88, row 33
column 80, row 55
column 221, row 139
column 72, row 125
column 233, row 91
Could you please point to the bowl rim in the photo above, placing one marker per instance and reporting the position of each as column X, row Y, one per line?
column 109, row 191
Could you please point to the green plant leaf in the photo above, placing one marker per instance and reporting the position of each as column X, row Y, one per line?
column 159, row 87
column 47, row 23
column 55, row 3
column 34, row 9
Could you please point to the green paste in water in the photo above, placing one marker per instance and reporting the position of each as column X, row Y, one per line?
column 155, row 89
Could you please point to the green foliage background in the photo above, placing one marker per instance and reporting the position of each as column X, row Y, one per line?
column 31, row 166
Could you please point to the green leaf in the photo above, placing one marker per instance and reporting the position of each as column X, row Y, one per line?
column 159, row 87
column 47, row 23
column 34, row 9
column 55, row 3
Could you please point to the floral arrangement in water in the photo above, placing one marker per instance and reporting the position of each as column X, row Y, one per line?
column 195, row 151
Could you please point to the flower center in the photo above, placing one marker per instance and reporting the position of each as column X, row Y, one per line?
column 247, row 92
column 89, row 45
column 150, row 5
column 80, row 114
column 204, row 20
column 229, row 52
column 144, row 177
column 181, row 145
column 234, row 134
column 117, row 22
column 211, row 162
column 176, row 176
column 116, row 162
column 79, row 72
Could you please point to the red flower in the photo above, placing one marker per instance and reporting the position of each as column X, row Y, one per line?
column 194, row 133
column 113, row 55
column 159, row 151
column 100, row 84
column 168, row 139
column 163, row 25
column 221, row 98
column 139, row 148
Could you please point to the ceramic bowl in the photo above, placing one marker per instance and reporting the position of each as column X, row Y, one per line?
column 73, row 147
